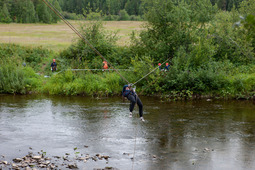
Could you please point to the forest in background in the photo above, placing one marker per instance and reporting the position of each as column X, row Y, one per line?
column 33, row 11
column 211, row 53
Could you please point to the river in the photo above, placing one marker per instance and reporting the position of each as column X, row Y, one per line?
column 201, row 134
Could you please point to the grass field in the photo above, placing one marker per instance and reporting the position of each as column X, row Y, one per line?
column 59, row 36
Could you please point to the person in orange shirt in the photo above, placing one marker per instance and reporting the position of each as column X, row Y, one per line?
column 105, row 65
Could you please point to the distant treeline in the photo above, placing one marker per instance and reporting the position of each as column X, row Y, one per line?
column 32, row 11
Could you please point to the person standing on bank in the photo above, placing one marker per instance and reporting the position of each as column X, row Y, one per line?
column 105, row 65
column 53, row 66
column 131, row 95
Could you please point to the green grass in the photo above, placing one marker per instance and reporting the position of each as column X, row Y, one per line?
column 59, row 36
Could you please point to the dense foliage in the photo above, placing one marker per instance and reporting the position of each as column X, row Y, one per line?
column 210, row 51
column 31, row 11
column 27, row 11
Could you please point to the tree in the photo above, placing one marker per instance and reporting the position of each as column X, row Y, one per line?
column 132, row 7
column 123, row 15
column 43, row 13
column 247, row 7
column 104, row 42
column 5, row 15
column 28, row 14
column 167, row 29
column 249, row 25
column 55, row 18
column 205, row 13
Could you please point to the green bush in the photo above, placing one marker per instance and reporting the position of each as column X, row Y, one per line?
column 72, row 16
column 18, row 80
column 111, row 18
column 17, row 55
column 123, row 15
column 70, row 83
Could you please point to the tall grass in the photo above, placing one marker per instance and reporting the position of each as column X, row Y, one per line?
column 18, row 80
column 71, row 83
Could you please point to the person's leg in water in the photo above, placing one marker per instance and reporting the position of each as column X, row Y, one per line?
column 132, row 100
column 140, row 104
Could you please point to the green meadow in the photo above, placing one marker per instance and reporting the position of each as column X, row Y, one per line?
column 59, row 36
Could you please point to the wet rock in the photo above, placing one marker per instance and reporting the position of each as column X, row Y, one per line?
column 206, row 150
column 14, row 166
column 28, row 168
column 58, row 157
column 37, row 157
column 42, row 166
column 23, row 165
column 72, row 166
column 82, row 158
column 154, row 156
column 52, row 166
column 65, row 158
column 106, row 157
column 47, row 162
column 17, row 160
column 94, row 158
column 5, row 162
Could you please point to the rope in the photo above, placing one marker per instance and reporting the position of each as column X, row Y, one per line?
column 100, row 69
column 150, row 72
column 135, row 144
column 80, row 35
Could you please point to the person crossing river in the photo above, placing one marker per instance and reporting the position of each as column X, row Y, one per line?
column 131, row 95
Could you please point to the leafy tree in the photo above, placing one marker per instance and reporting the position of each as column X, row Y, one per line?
column 123, row 15
column 167, row 29
column 249, row 25
column 91, row 15
column 28, row 13
column 247, row 7
column 82, row 53
column 43, row 13
column 55, row 18
column 133, row 6
column 5, row 15
column 205, row 13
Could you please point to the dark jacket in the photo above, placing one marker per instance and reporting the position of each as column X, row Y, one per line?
column 125, row 92
column 54, row 66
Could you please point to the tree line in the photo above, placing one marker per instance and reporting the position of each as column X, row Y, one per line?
column 27, row 11
column 33, row 11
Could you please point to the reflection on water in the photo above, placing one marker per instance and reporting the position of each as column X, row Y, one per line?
column 176, row 135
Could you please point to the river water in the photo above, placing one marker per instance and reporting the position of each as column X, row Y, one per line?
column 176, row 135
